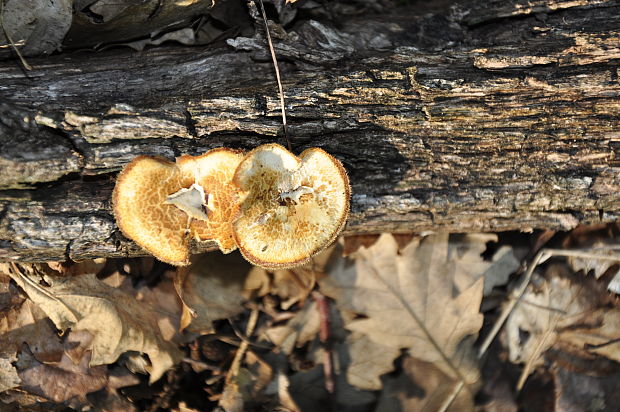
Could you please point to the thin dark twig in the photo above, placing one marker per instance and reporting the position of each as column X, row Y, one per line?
column 601, row 345
column 277, row 70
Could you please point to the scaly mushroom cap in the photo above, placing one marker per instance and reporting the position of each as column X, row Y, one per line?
column 138, row 201
column 293, row 207
column 214, row 171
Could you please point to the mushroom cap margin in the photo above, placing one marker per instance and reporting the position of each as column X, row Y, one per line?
column 295, row 232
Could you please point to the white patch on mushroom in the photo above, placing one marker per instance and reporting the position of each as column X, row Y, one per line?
column 192, row 201
column 294, row 195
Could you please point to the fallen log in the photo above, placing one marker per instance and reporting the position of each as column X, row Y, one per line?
column 470, row 118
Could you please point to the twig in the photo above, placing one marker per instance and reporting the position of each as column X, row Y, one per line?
column 515, row 296
column 277, row 70
column 8, row 37
column 243, row 338
column 236, row 363
column 451, row 397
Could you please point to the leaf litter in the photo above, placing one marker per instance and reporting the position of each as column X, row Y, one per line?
column 409, row 302
column 403, row 320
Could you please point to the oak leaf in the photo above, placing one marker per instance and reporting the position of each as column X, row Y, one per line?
column 409, row 301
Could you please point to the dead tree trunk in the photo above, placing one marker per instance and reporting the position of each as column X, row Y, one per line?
column 485, row 116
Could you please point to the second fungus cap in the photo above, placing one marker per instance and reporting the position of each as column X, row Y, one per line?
column 293, row 207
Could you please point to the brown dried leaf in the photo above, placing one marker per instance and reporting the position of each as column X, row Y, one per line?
column 78, row 268
column 9, row 378
column 409, row 303
column 354, row 242
column 215, row 288
column 464, row 252
column 368, row 360
column 602, row 240
column 290, row 285
column 257, row 283
column 26, row 323
column 599, row 265
column 299, row 330
column 117, row 321
column 187, row 313
column 422, row 387
column 570, row 310
column 64, row 380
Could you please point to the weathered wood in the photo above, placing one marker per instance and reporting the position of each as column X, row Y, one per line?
column 492, row 118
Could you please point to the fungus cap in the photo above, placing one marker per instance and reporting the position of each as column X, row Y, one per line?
column 139, row 203
column 213, row 173
column 292, row 208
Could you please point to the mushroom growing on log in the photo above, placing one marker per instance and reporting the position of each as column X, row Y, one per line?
column 472, row 116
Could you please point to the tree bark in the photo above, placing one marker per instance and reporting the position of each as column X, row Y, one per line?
column 481, row 116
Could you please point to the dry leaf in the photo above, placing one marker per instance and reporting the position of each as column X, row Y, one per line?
column 187, row 313
column 63, row 380
column 231, row 399
column 282, row 386
column 260, row 374
column 299, row 330
column 599, row 266
column 112, row 21
column 599, row 239
column 78, row 268
column 464, row 254
column 26, row 323
column 9, row 378
column 367, row 361
column 185, row 36
column 408, row 301
column 572, row 310
column 422, row 387
column 354, row 242
column 182, row 407
column 257, row 283
column 214, row 288
column 291, row 286
column 117, row 321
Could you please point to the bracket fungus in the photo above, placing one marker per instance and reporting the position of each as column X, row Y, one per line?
column 213, row 173
column 141, row 211
column 292, row 207
column 161, row 205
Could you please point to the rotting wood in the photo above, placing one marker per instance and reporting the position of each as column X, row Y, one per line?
column 464, row 120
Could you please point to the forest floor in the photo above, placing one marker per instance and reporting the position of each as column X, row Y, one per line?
column 399, row 323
